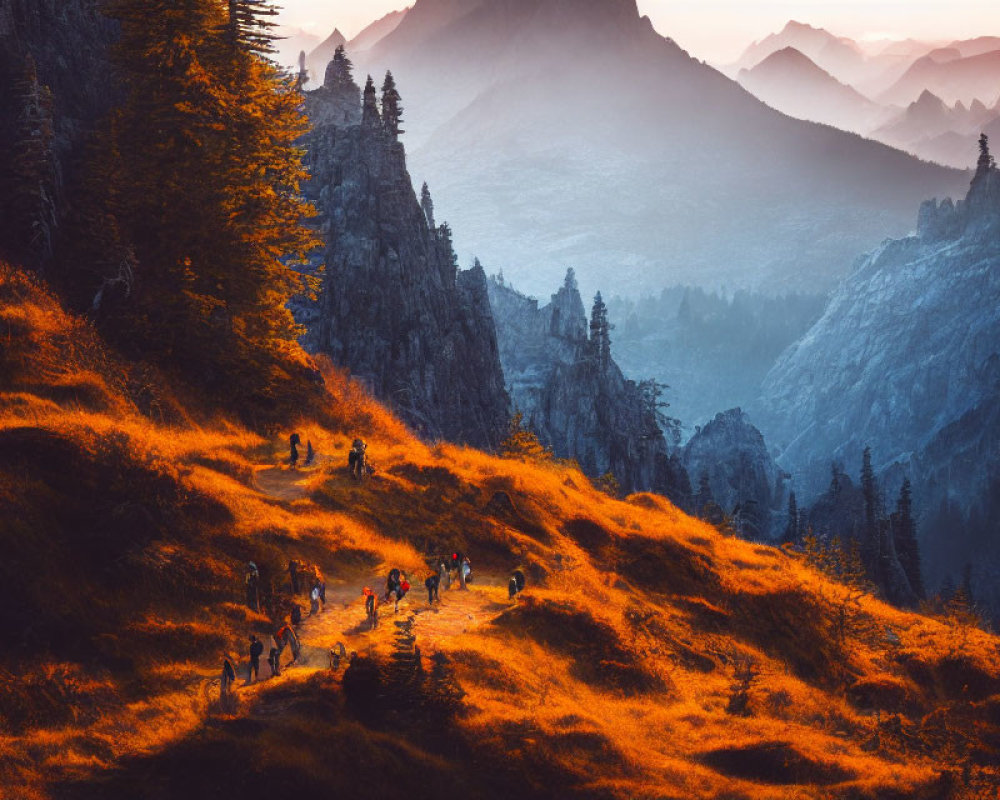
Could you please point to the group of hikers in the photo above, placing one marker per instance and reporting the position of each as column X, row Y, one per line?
column 296, row 442
column 300, row 576
column 397, row 585
column 309, row 578
column 357, row 457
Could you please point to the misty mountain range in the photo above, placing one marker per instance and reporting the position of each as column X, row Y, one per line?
column 929, row 100
column 554, row 134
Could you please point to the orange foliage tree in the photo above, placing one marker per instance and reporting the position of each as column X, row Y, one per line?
column 196, row 183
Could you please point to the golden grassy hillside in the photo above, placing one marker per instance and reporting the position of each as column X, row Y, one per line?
column 649, row 656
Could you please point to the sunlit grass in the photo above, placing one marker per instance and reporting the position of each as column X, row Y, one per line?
column 680, row 604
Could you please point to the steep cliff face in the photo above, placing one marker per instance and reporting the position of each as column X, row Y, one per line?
column 908, row 345
column 577, row 403
column 743, row 478
column 906, row 359
column 393, row 306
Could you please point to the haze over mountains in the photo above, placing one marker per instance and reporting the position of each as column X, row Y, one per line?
column 929, row 99
column 554, row 135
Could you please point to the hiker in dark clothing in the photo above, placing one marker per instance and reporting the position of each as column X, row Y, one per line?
column 253, row 587
column 256, row 648
column 294, row 441
column 293, row 574
column 274, row 662
column 310, row 454
column 227, row 681
column 338, row 653
column 432, row 583
column 392, row 583
column 357, row 460
column 515, row 584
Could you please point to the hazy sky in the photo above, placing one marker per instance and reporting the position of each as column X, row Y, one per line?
column 718, row 30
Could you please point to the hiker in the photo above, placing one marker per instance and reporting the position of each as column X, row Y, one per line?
column 357, row 460
column 296, row 614
column 432, row 583
column 256, row 648
column 294, row 441
column 370, row 607
column 314, row 600
column 285, row 637
column 322, row 593
column 444, row 577
column 227, row 680
column 392, row 583
column 274, row 662
column 465, row 572
column 293, row 573
column 515, row 584
column 401, row 591
column 310, row 453
column 253, row 587
column 338, row 653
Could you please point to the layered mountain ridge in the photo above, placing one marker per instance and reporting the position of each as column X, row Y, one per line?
column 528, row 115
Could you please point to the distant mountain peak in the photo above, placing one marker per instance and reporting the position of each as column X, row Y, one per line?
column 928, row 99
column 795, row 25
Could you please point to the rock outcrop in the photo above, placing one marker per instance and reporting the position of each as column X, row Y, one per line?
column 393, row 307
column 743, row 478
column 578, row 403
column 906, row 359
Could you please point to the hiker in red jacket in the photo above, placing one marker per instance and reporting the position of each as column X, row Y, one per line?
column 371, row 608
column 284, row 637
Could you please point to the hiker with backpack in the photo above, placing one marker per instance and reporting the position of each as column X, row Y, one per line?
column 357, row 461
column 392, row 583
column 256, row 648
column 432, row 583
column 285, row 637
column 404, row 587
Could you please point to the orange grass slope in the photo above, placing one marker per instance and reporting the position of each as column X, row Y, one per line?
column 649, row 656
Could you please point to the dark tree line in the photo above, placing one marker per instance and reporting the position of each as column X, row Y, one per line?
column 856, row 519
